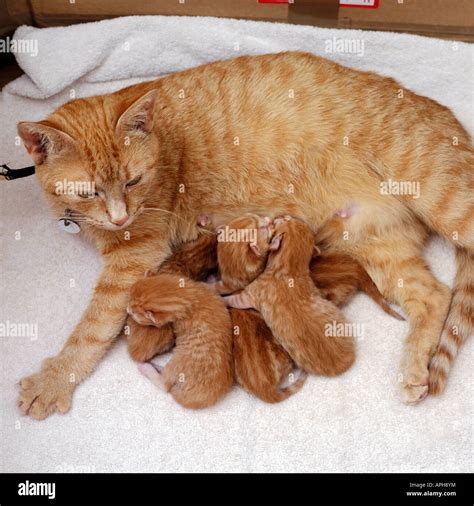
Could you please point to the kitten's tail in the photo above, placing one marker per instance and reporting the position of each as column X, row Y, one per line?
column 370, row 288
column 279, row 393
column 459, row 324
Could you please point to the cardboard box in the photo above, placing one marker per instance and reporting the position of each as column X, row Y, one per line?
column 62, row 12
column 451, row 19
column 438, row 18
column 12, row 14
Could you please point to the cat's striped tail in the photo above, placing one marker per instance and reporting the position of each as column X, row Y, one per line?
column 459, row 324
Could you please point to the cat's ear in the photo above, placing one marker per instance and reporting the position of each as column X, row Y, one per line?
column 276, row 242
column 255, row 249
column 42, row 140
column 139, row 116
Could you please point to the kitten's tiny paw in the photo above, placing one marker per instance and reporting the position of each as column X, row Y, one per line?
column 150, row 272
column 147, row 369
column 211, row 279
column 45, row 393
column 153, row 373
column 279, row 220
column 415, row 388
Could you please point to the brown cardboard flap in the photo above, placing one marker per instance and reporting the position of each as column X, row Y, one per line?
column 61, row 12
column 12, row 14
column 439, row 16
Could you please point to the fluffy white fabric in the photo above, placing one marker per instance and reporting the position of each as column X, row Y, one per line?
column 119, row 421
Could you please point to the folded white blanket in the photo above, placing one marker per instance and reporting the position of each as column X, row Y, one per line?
column 150, row 46
column 119, row 421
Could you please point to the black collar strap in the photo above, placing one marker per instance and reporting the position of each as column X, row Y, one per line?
column 8, row 173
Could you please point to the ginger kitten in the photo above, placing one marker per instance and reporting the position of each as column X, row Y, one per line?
column 200, row 370
column 339, row 277
column 261, row 365
column 293, row 308
column 243, row 244
column 196, row 260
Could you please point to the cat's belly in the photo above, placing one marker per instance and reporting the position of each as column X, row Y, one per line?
column 360, row 223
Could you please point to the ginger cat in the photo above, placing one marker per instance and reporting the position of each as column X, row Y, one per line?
column 200, row 370
column 239, row 141
column 292, row 306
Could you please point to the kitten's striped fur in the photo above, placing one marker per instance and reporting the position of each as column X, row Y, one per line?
column 200, row 370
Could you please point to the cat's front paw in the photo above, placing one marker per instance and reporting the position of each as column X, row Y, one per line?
column 46, row 392
column 414, row 384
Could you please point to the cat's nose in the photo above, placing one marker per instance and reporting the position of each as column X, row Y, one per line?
column 120, row 220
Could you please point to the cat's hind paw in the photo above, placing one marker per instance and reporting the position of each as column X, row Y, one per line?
column 414, row 389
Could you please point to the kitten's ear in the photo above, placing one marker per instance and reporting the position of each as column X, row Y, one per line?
column 255, row 249
column 316, row 251
column 138, row 116
column 42, row 140
column 150, row 316
column 276, row 242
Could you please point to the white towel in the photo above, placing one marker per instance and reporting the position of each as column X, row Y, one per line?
column 119, row 421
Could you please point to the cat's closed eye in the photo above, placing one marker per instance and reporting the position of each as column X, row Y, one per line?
column 87, row 195
column 134, row 181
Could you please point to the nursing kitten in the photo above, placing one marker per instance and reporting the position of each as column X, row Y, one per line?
column 261, row 365
column 158, row 159
column 200, row 370
column 196, row 260
column 339, row 277
column 305, row 324
column 243, row 246
column 146, row 341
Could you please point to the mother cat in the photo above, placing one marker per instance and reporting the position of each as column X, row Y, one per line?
column 289, row 133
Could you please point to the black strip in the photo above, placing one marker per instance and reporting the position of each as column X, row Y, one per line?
column 240, row 489
column 9, row 174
